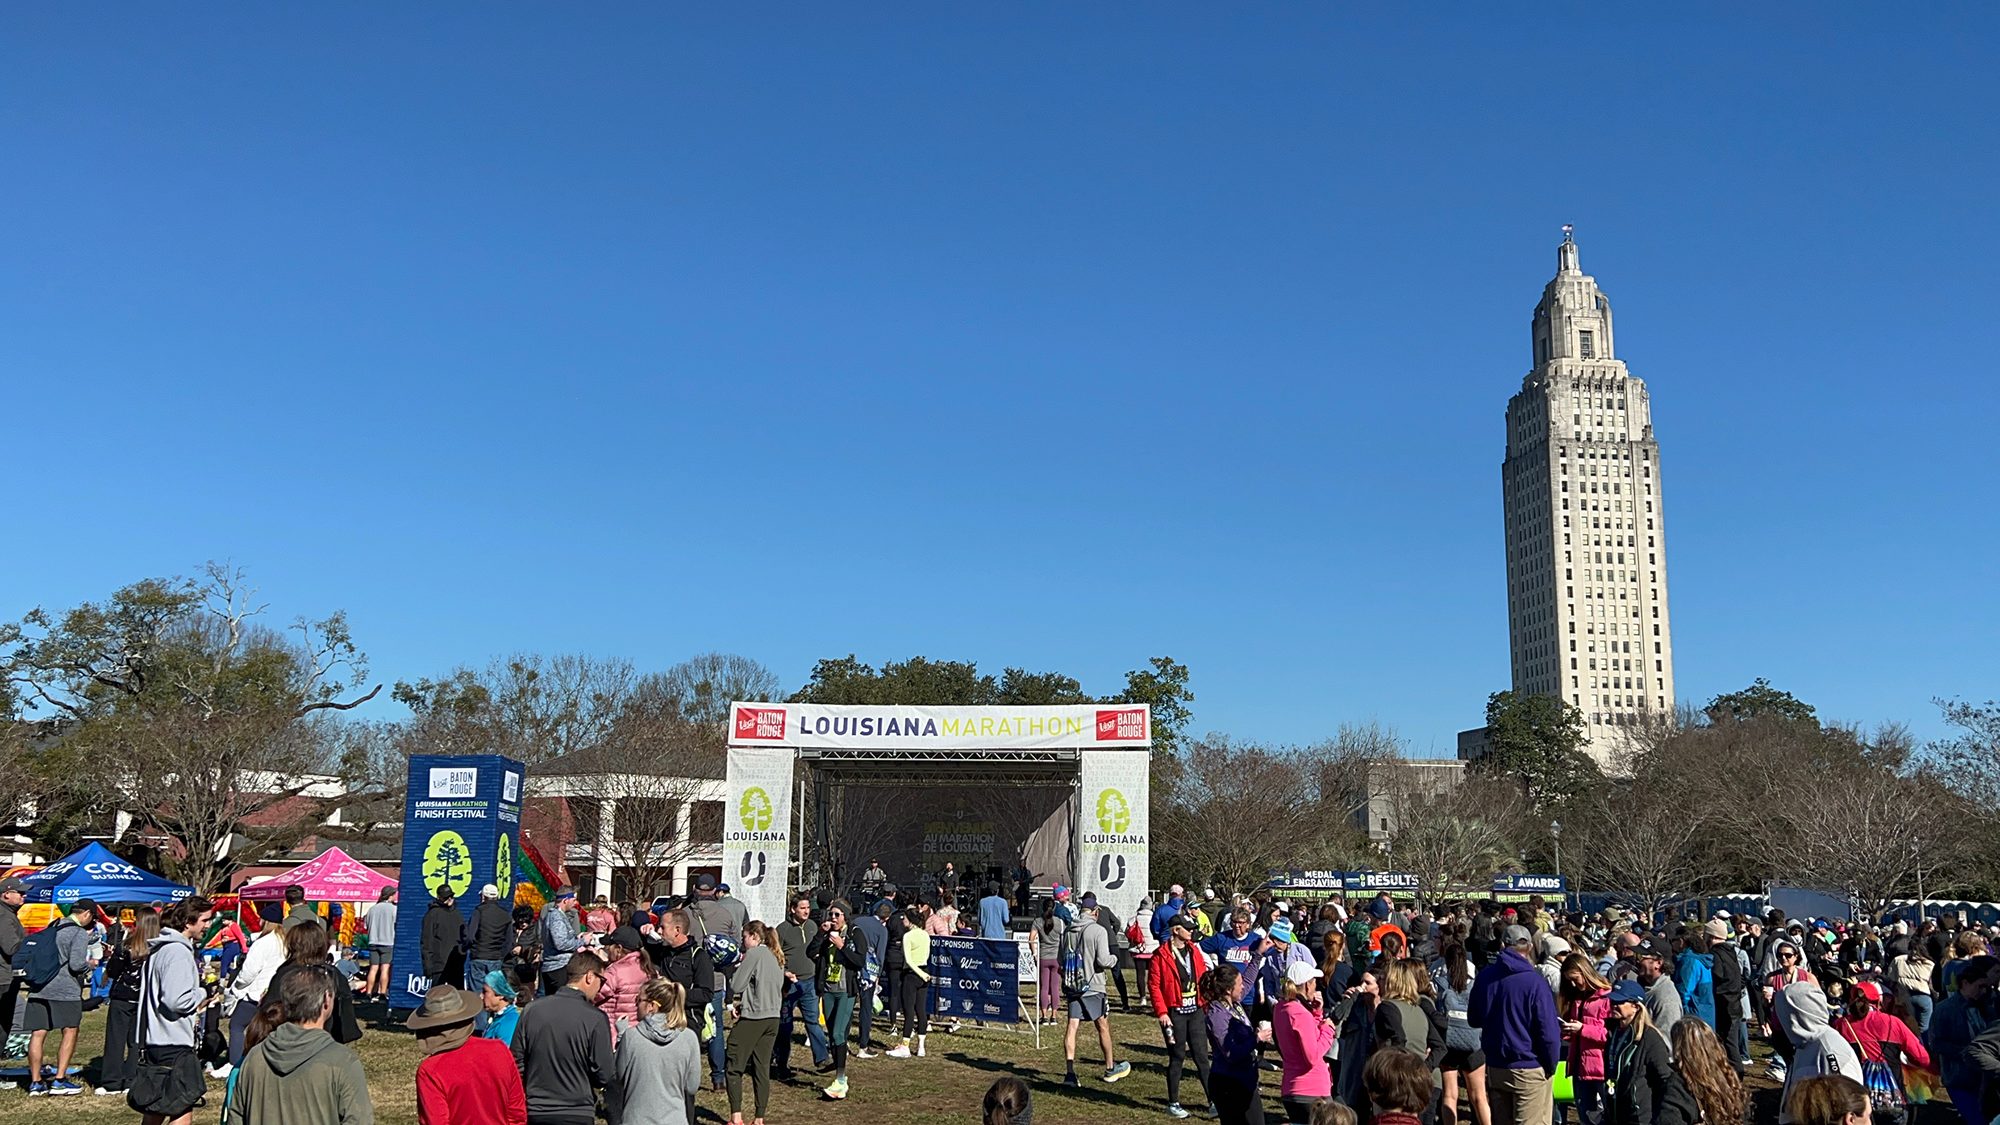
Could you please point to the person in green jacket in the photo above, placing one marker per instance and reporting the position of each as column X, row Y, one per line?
column 298, row 1075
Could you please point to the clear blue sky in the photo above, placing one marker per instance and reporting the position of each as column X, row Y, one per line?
column 1038, row 336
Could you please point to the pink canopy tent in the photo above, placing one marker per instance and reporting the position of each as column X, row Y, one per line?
column 333, row 875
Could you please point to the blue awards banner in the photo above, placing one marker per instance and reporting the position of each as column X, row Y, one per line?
column 461, row 827
column 976, row 979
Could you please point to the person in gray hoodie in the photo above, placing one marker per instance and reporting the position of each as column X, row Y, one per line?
column 298, row 1075
column 170, row 1003
column 1817, row 1049
column 758, row 990
column 659, row 1059
column 57, row 1004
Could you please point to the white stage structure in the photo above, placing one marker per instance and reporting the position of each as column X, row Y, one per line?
column 1103, row 752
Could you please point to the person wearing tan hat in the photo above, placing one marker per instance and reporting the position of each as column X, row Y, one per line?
column 462, row 1077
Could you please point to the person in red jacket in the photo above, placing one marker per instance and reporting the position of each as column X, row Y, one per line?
column 1177, row 968
column 462, row 1079
column 1872, row 1031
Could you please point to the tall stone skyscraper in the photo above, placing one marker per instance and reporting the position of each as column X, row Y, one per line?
column 1586, row 536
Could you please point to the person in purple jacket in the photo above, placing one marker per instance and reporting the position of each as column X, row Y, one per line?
column 1519, row 1031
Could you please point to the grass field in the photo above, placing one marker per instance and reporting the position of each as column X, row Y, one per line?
column 944, row 1087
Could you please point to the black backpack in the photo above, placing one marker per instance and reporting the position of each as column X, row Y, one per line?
column 39, row 959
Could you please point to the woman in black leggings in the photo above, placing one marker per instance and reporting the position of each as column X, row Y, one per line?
column 913, row 986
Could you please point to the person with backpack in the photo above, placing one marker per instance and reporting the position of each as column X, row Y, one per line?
column 873, row 928
column 1086, row 955
column 1464, row 1063
column 717, row 916
column 53, row 961
column 1884, row 1043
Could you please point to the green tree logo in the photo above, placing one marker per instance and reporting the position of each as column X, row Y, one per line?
column 503, row 867
column 447, row 864
column 755, row 810
column 1114, row 813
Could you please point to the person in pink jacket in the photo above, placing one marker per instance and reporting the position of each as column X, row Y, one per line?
column 1304, row 1033
column 1872, row 1031
column 625, row 973
column 1584, row 1001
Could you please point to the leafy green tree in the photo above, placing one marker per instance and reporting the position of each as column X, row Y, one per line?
column 1760, row 701
column 172, row 704
column 1163, row 687
column 1540, row 739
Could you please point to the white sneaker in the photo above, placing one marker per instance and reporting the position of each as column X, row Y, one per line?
column 104, row 1093
column 222, row 1072
column 920, row 1046
column 899, row 1051
column 865, row 1053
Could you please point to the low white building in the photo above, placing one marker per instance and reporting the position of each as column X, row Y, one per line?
column 628, row 828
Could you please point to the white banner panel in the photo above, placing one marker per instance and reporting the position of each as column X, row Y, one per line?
column 757, row 830
column 1113, row 832
column 824, row 726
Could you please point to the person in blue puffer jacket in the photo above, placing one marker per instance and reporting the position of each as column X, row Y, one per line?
column 1695, row 977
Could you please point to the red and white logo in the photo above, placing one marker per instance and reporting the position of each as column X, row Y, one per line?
column 1122, row 726
column 761, row 722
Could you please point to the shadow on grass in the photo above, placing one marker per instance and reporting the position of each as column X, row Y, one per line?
column 1046, row 1083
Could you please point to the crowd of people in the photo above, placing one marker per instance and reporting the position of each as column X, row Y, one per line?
column 1363, row 1012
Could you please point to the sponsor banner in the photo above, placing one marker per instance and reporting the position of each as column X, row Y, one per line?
column 976, row 978
column 823, row 726
column 757, row 829
column 461, row 828
column 1529, row 885
column 1307, row 880
column 1395, row 882
column 1113, row 830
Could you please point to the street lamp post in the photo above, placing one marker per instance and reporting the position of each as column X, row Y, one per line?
column 1556, row 833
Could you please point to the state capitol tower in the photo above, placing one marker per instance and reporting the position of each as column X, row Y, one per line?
column 1586, row 533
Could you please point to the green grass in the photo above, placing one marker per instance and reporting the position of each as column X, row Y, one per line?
column 944, row 1087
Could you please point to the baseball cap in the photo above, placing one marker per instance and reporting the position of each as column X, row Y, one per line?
column 1176, row 891
column 83, row 905
column 1183, row 922
column 1516, row 935
column 10, row 883
column 490, row 890
column 1299, row 972
column 1870, row 991
column 1650, row 948
column 627, row 938
column 1723, row 915
column 723, row 887
column 705, row 882
column 1627, row 992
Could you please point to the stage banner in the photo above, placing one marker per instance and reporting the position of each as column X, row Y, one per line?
column 1113, row 831
column 757, row 830
column 976, row 978
column 461, row 827
column 824, row 726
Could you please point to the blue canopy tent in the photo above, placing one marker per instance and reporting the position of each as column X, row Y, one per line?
column 92, row 872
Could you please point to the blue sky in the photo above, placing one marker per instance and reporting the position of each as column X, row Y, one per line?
column 1049, row 336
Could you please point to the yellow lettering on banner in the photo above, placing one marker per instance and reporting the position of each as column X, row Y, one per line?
column 1038, row 726
column 1075, row 726
column 985, row 726
column 950, row 727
